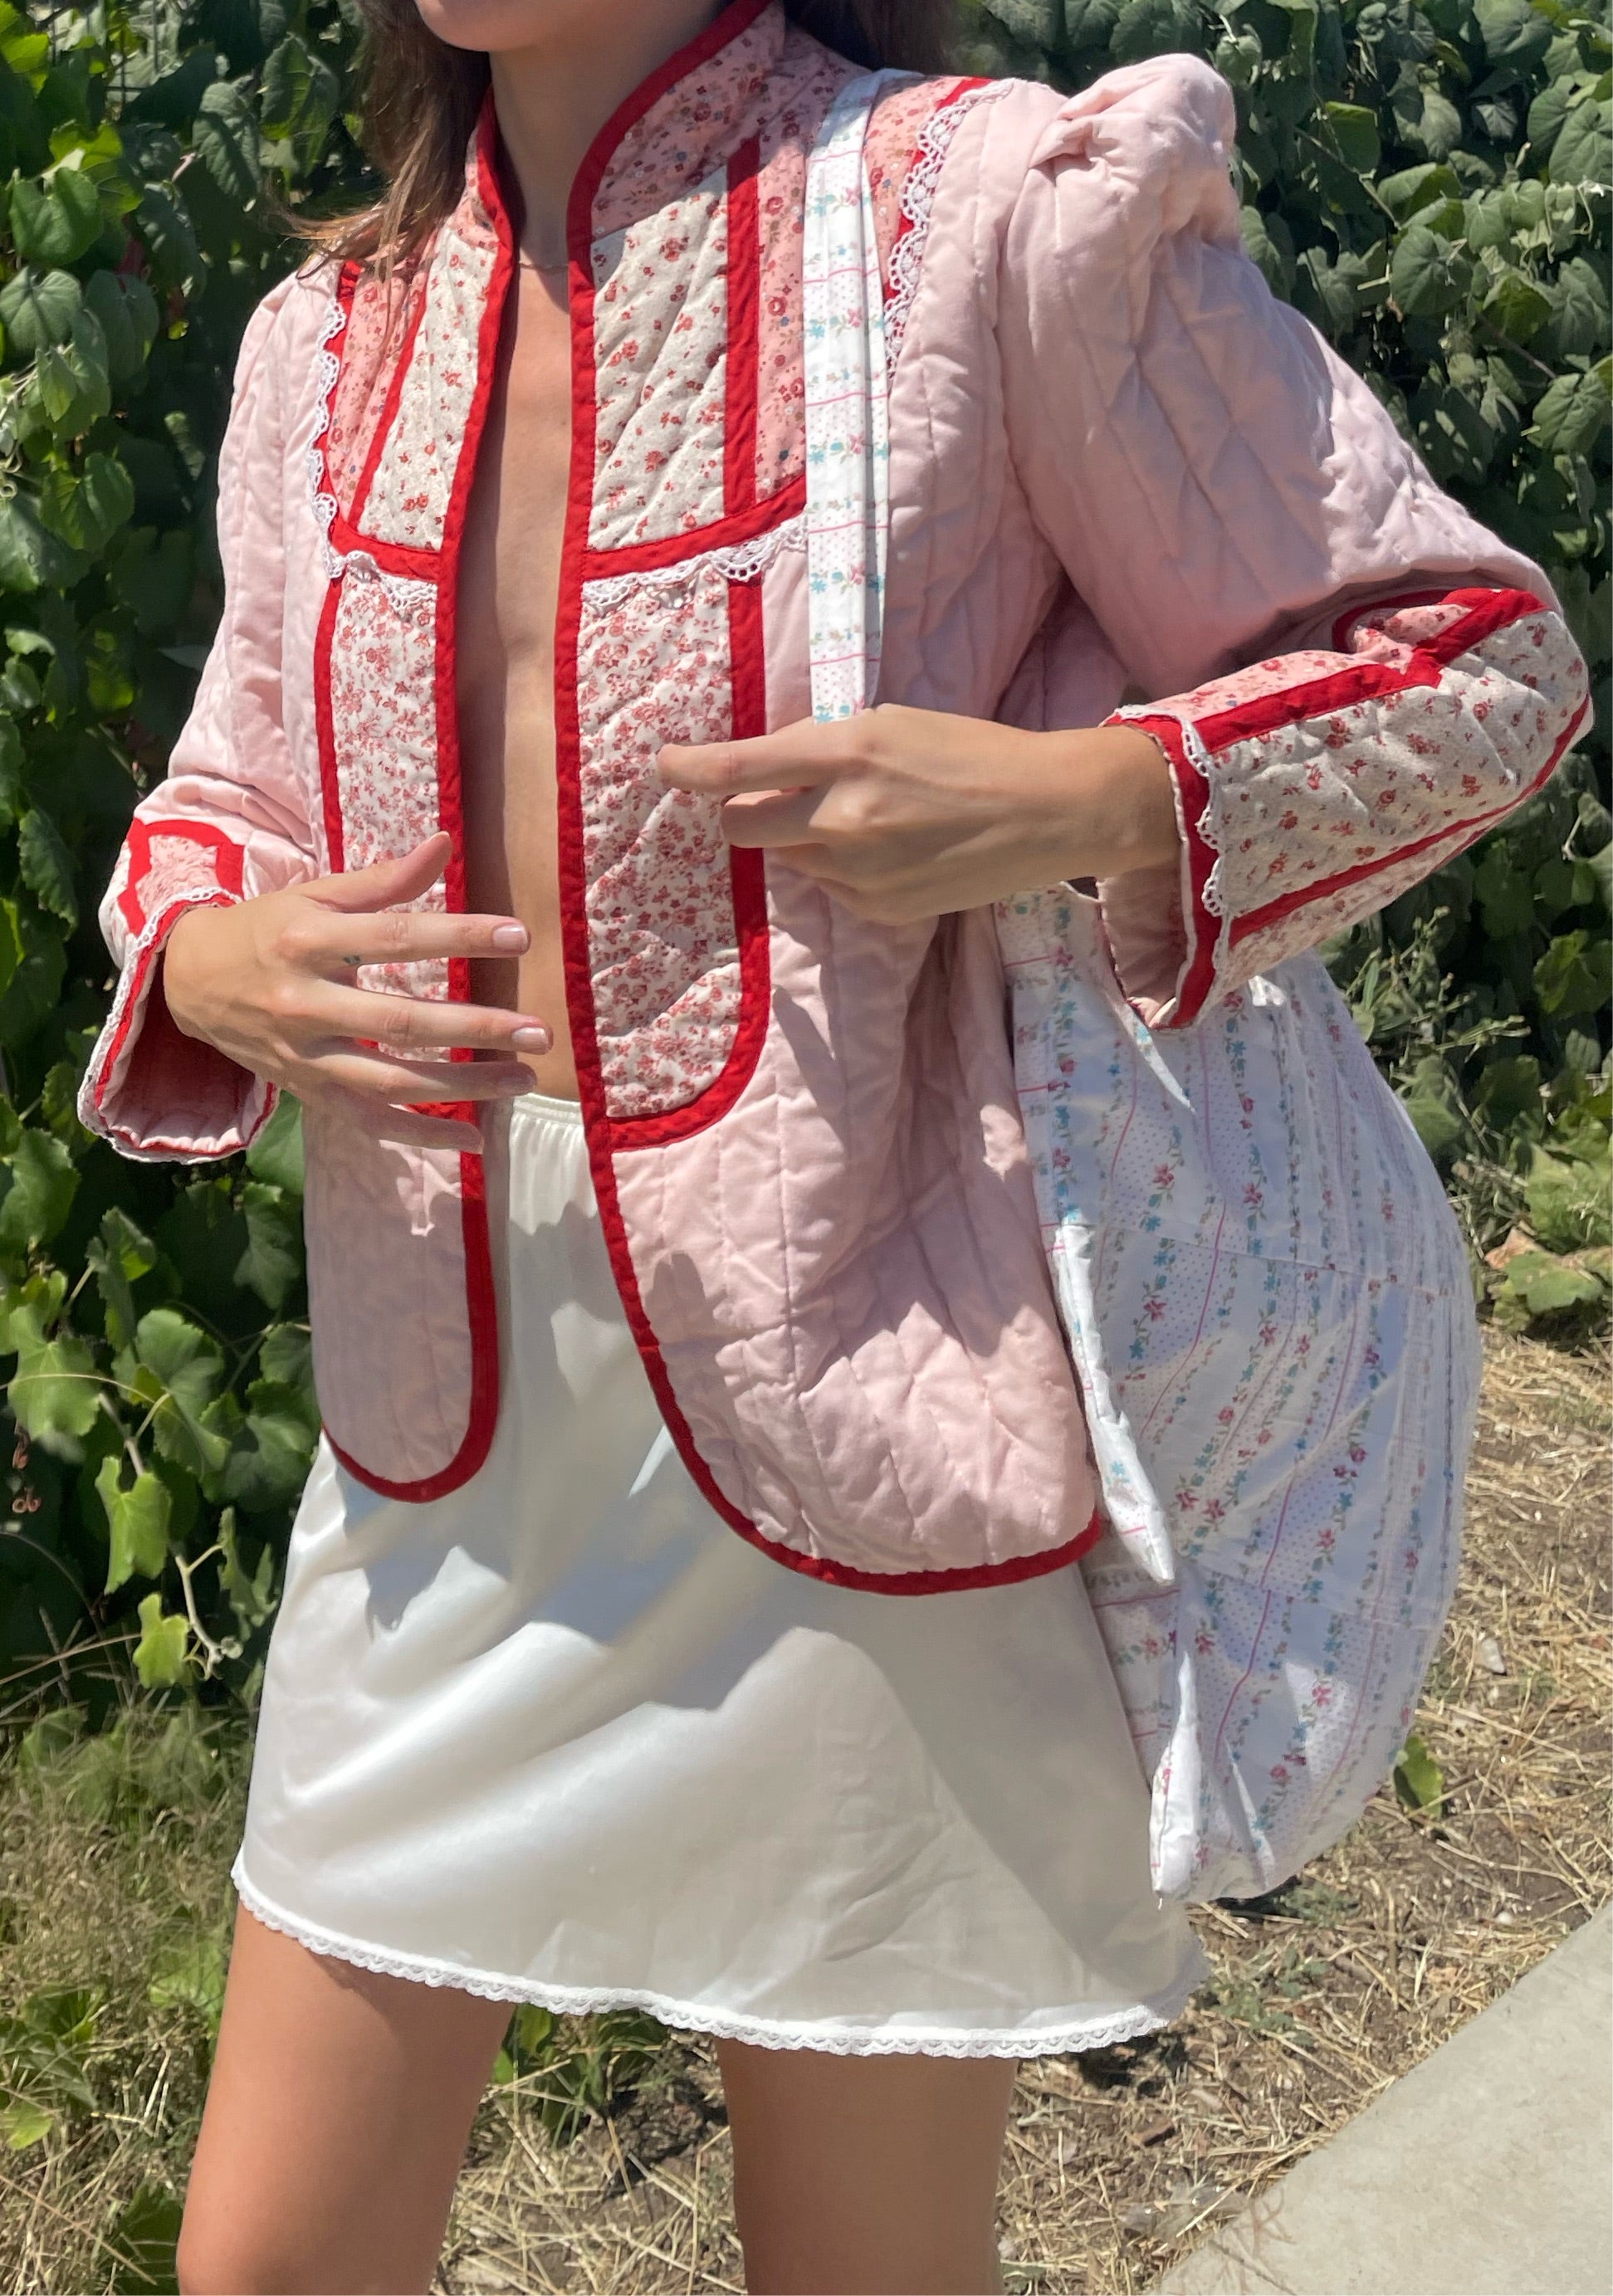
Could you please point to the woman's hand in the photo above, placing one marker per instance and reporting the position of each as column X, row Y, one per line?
column 904, row 814
column 270, row 983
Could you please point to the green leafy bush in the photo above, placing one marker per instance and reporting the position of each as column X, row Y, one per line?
column 1428, row 183
column 163, row 1414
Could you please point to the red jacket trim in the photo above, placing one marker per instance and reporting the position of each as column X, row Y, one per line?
column 226, row 860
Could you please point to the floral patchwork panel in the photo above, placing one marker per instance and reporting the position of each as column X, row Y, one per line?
column 654, row 667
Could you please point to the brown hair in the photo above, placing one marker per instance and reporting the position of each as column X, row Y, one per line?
column 421, row 99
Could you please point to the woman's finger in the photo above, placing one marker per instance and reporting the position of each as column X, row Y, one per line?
column 401, row 1083
column 382, row 884
column 801, row 756
column 779, row 817
column 405, row 1125
column 409, row 1024
column 399, row 936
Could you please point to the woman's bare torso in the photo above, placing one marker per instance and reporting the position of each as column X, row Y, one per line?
column 508, row 588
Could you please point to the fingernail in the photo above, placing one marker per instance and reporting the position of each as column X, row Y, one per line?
column 531, row 1040
column 515, row 937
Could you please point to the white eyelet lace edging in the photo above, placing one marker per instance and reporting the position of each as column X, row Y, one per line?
column 693, row 2017
column 743, row 562
column 914, row 205
column 411, row 597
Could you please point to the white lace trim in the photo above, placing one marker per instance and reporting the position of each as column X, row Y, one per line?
column 411, row 597
column 741, row 562
column 915, row 207
column 327, row 367
column 695, row 2017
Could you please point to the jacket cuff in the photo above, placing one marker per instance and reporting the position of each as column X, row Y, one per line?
column 1162, row 934
column 153, row 1092
column 1312, row 787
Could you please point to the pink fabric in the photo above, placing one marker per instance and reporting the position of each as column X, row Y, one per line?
column 1116, row 462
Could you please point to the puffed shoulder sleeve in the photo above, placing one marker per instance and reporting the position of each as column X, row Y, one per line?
column 1351, row 678
column 228, row 822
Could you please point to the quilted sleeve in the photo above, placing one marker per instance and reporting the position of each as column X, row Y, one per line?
column 225, row 824
column 1354, row 680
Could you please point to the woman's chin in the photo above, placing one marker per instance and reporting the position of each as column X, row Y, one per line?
column 498, row 26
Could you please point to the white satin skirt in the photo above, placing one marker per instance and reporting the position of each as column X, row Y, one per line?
column 562, row 1737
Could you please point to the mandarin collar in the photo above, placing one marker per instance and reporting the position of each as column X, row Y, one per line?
column 685, row 119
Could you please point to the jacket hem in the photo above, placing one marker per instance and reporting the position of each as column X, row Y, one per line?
column 939, row 2040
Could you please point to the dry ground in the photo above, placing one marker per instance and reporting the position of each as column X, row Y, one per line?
column 1116, row 2159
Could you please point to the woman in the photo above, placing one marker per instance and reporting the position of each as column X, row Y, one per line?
column 665, row 1175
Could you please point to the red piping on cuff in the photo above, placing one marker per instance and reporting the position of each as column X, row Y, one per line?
column 1192, row 803
column 134, row 1015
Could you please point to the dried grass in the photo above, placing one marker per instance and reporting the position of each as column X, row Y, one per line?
column 1116, row 2159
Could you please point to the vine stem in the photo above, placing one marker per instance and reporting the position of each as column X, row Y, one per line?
column 214, row 1652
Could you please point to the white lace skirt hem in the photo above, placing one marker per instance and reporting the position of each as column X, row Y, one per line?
column 559, row 1736
column 727, row 2025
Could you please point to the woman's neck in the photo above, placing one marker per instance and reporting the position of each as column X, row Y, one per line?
column 552, row 99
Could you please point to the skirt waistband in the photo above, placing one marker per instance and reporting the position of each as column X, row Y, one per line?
column 545, row 1104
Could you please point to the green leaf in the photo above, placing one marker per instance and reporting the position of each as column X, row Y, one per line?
column 161, row 1654
column 1575, row 975
column 1583, row 151
column 1354, row 130
column 286, row 1357
column 1571, row 413
column 1152, row 28
column 276, row 1155
column 39, row 1184
column 273, row 1448
column 138, row 1520
column 24, row 2124
column 1415, row 188
column 86, row 510
column 11, row 806
column 165, row 224
column 187, row 1369
column 301, row 93
column 226, row 136
column 38, row 308
column 119, row 1256
column 1268, row 243
column 34, row 980
column 142, row 2243
column 251, row 1593
column 272, row 1263
column 1512, row 31
column 1567, row 1199
column 1419, row 1780
column 125, row 311
column 190, row 1975
column 31, row 557
column 55, row 1393
column 1426, row 278
column 1509, row 1088
column 1548, row 1286
column 1517, row 307
column 46, row 865
column 1505, row 893
column 57, row 221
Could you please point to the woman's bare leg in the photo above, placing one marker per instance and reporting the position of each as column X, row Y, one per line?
column 866, row 2176
column 335, row 2124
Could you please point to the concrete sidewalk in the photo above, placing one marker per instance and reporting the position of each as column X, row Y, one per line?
column 1487, row 2170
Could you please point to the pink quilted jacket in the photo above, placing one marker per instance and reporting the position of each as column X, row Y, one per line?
column 1118, row 469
